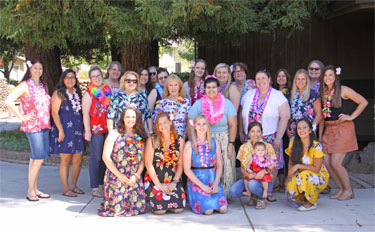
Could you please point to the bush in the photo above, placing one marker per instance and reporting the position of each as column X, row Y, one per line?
column 183, row 75
column 14, row 140
column 13, row 82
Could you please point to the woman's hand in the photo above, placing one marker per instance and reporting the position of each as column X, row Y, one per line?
column 276, row 145
column 230, row 150
column 214, row 188
column 61, row 136
column 289, row 133
column 123, row 179
column 344, row 117
column 28, row 117
column 164, row 188
column 260, row 174
column 294, row 169
column 206, row 189
column 132, row 181
column 242, row 137
column 88, row 136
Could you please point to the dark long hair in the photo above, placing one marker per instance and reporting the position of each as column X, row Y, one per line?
column 253, row 124
column 118, row 64
column 297, row 149
column 28, row 74
column 191, row 81
column 288, row 79
column 149, row 86
column 61, row 88
column 139, row 127
column 336, row 99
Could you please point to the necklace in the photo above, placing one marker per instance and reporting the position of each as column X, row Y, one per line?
column 203, row 157
column 327, row 104
column 134, row 147
column 74, row 99
column 198, row 92
column 213, row 113
column 170, row 156
column 256, row 111
column 263, row 164
column 223, row 87
column 103, row 95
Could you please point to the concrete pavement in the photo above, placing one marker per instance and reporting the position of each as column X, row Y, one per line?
column 62, row 213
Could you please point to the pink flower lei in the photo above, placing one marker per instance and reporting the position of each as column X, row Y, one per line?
column 269, row 162
column 74, row 99
column 213, row 113
column 203, row 157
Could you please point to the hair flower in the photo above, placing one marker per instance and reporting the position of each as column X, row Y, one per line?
column 231, row 68
column 210, row 76
column 192, row 62
column 191, row 122
column 338, row 70
column 171, row 117
column 29, row 64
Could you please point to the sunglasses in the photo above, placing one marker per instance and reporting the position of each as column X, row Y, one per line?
column 131, row 81
column 153, row 73
column 314, row 69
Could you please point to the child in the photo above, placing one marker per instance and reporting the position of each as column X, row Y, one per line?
column 259, row 162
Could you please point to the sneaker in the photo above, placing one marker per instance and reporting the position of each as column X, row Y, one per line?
column 303, row 208
column 261, row 204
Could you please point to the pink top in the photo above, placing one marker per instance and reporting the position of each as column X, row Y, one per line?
column 37, row 102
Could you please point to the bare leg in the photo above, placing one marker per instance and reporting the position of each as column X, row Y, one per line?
column 209, row 212
column 76, row 169
column 34, row 168
column 334, row 176
column 223, row 209
column 336, row 164
column 265, row 189
column 247, row 191
column 160, row 212
column 64, row 170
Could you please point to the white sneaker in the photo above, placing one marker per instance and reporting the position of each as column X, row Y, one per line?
column 303, row 208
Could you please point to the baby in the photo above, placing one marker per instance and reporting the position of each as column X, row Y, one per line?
column 259, row 162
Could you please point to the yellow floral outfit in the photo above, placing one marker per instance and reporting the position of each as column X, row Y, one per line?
column 306, row 183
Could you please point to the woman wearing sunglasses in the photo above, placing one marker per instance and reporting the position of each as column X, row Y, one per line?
column 128, row 95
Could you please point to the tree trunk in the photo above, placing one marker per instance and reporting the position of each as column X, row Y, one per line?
column 51, row 62
column 138, row 55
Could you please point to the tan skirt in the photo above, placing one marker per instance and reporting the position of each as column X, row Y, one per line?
column 229, row 165
column 339, row 137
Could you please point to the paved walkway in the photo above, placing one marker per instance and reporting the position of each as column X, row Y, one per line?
column 61, row 213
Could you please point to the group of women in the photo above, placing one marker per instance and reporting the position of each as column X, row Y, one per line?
column 156, row 140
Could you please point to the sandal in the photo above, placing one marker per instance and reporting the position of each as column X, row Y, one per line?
column 253, row 200
column 43, row 195
column 77, row 190
column 32, row 198
column 261, row 204
column 97, row 192
column 327, row 190
column 69, row 193
column 271, row 197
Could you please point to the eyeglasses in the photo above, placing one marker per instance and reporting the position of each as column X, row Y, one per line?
column 97, row 77
column 152, row 73
column 163, row 78
column 131, row 81
column 314, row 69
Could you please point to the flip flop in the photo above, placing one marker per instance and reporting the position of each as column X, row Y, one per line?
column 77, row 190
column 43, row 195
column 271, row 197
column 69, row 193
column 32, row 198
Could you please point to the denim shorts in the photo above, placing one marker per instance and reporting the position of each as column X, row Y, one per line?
column 39, row 144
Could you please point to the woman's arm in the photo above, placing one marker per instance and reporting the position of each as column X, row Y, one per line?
column 284, row 116
column 107, row 151
column 219, row 169
column 232, row 124
column 240, row 124
column 180, row 169
column 315, row 167
column 137, row 175
column 19, row 91
column 149, row 125
column 234, row 96
column 348, row 93
column 55, row 108
column 187, row 169
column 318, row 111
column 152, row 99
column 86, row 105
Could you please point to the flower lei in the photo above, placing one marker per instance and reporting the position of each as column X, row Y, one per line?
column 170, row 156
column 213, row 113
column 223, row 87
column 297, row 101
column 103, row 98
column 134, row 146
column 179, row 104
column 74, row 99
column 317, row 86
column 327, row 104
column 256, row 111
column 263, row 164
column 198, row 92
column 204, row 156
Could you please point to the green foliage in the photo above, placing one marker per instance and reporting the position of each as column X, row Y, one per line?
column 8, row 51
column 183, row 75
column 12, row 82
column 14, row 140
column 185, row 50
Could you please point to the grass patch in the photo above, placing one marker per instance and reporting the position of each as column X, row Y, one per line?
column 14, row 140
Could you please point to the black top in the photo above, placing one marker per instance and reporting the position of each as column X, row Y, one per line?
column 335, row 112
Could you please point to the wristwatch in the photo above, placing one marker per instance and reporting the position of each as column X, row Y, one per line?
column 232, row 142
column 175, row 181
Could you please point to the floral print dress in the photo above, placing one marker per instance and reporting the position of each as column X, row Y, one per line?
column 165, row 170
column 200, row 201
column 308, row 184
column 72, row 123
column 120, row 199
column 121, row 100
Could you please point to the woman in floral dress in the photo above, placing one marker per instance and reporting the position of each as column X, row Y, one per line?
column 123, row 155
column 67, row 130
column 307, row 175
column 203, row 166
column 163, row 161
column 128, row 95
column 305, row 102
column 175, row 103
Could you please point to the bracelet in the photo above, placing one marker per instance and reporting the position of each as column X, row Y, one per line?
column 232, row 142
column 137, row 176
column 175, row 181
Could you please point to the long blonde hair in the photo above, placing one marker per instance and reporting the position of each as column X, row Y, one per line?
column 225, row 91
column 170, row 78
column 157, row 135
column 306, row 89
column 193, row 134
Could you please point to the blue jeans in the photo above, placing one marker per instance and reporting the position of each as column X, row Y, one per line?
column 254, row 186
column 97, row 166
column 39, row 144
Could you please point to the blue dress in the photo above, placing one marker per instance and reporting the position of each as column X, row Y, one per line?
column 72, row 123
column 200, row 201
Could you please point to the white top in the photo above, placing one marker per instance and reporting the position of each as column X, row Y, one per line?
column 187, row 91
column 270, row 117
